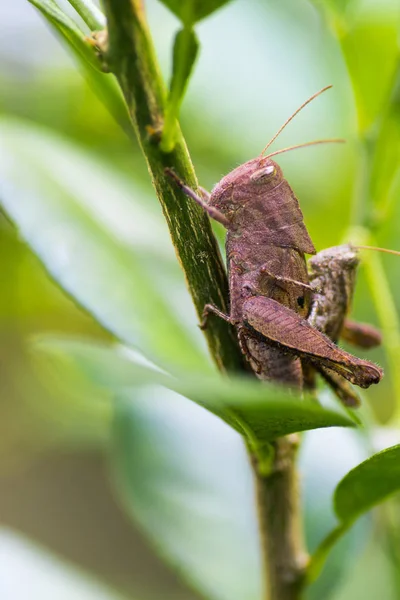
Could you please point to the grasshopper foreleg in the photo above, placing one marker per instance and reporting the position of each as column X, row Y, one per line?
column 213, row 212
column 212, row 309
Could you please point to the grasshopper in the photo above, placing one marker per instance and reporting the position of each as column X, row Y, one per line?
column 276, row 309
column 332, row 277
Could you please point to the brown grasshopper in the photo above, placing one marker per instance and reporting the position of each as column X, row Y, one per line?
column 270, row 292
column 332, row 277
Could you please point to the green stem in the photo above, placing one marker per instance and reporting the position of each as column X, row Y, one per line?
column 131, row 56
column 387, row 314
column 280, row 521
column 361, row 196
column 383, row 300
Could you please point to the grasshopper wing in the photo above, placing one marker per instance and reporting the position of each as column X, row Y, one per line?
column 282, row 326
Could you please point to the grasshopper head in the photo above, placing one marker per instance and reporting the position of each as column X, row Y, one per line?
column 251, row 180
column 338, row 259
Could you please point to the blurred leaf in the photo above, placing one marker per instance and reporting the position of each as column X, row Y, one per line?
column 103, row 84
column 186, row 47
column 28, row 570
column 100, row 239
column 46, row 414
column 34, row 418
column 334, row 8
column 184, row 476
column 138, row 386
column 99, row 370
column 365, row 486
column 106, row 89
column 262, row 412
column 385, row 168
column 68, row 29
column 181, row 472
column 190, row 11
column 368, row 484
column 340, row 5
column 372, row 576
column 371, row 50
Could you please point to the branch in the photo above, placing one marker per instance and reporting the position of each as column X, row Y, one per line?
column 280, row 520
column 131, row 57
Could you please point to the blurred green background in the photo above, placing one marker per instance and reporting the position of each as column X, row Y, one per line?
column 73, row 178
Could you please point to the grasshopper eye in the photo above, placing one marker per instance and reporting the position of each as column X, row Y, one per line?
column 263, row 173
column 300, row 301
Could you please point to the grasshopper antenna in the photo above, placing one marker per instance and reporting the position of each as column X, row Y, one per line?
column 296, row 112
column 314, row 143
column 386, row 250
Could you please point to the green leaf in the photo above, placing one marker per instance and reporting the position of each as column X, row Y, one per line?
column 104, row 85
column 106, row 89
column 68, row 29
column 268, row 412
column 190, row 11
column 368, row 484
column 260, row 412
column 321, row 470
column 186, row 48
column 181, row 472
column 90, row 13
column 368, row 34
column 102, row 239
column 319, row 557
column 370, row 47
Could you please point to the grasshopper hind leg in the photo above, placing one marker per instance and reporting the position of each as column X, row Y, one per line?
column 243, row 336
column 342, row 388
